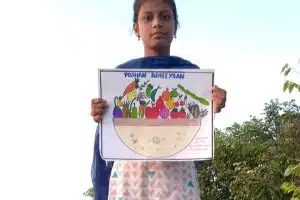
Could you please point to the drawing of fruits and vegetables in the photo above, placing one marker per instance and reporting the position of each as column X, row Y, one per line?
column 147, row 101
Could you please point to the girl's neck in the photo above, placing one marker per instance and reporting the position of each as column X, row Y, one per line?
column 155, row 52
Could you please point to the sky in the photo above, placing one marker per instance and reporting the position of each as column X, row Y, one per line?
column 50, row 52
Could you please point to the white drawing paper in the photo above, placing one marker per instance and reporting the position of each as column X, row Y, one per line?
column 157, row 114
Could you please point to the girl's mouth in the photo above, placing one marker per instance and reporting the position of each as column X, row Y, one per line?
column 158, row 34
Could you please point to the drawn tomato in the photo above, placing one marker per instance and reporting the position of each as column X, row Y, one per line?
column 181, row 114
column 151, row 112
column 174, row 115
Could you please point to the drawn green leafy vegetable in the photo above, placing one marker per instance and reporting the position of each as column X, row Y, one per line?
column 194, row 96
column 148, row 90
column 153, row 93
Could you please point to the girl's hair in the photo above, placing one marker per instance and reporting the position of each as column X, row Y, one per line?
column 137, row 6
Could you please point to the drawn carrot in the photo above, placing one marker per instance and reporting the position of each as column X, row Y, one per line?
column 141, row 110
column 142, row 106
column 133, row 85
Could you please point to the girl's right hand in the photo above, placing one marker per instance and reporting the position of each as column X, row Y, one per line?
column 98, row 109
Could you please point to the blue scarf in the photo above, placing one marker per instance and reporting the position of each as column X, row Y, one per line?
column 100, row 169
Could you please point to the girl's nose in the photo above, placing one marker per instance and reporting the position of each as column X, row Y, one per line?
column 157, row 23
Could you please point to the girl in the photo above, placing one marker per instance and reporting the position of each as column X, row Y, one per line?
column 155, row 22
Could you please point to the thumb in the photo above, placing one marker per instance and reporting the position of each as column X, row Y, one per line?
column 214, row 88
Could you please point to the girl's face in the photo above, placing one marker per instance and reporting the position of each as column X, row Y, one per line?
column 155, row 25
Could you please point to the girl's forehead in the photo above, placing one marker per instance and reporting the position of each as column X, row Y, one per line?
column 155, row 6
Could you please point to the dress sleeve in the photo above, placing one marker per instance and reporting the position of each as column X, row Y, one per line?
column 100, row 171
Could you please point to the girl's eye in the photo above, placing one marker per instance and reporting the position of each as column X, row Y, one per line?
column 148, row 18
column 165, row 17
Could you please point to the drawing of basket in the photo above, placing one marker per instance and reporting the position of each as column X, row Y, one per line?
column 157, row 138
column 155, row 121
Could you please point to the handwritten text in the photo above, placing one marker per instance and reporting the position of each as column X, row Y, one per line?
column 160, row 75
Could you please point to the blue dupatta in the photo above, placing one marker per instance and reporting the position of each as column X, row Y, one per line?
column 101, row 170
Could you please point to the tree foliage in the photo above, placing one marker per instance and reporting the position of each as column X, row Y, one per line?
column 293, row 186
column 251, row 158
column 288, row 84
column 90, row 193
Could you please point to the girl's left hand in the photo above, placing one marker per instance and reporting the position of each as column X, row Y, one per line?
column 219, row 98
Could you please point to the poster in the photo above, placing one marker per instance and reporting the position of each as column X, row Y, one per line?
column 157, row 114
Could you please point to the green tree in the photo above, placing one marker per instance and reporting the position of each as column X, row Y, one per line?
column 292, row 187
column 293, row 171
column 90, row 193
column 250, row 158
column 288, row 84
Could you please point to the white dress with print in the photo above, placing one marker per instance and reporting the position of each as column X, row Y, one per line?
column 153, row 180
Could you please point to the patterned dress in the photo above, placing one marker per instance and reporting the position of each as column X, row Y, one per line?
column 153, row 180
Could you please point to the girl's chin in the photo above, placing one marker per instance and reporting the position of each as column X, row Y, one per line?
column 160, row 44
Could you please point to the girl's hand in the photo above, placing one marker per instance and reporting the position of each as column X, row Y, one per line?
column 219, row 98
column 98, row 109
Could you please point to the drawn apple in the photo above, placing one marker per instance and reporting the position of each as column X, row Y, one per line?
column 181, row 113
column 159, row 103
column 151, row 112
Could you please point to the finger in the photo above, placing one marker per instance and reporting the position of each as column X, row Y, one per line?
column 97, row 118
column 98, row 111
column 218, row 101
column 219, row 93
column 95, row 100
column 98, row 100
column 218, row 90
column 222, row 98
column 216, row 94
column 103, row 105
column 100, row 105
column 214, row 88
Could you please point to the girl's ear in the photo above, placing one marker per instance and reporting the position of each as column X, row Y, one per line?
column 136, row 30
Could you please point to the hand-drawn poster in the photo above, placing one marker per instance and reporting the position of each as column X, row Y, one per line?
column 157, row 114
